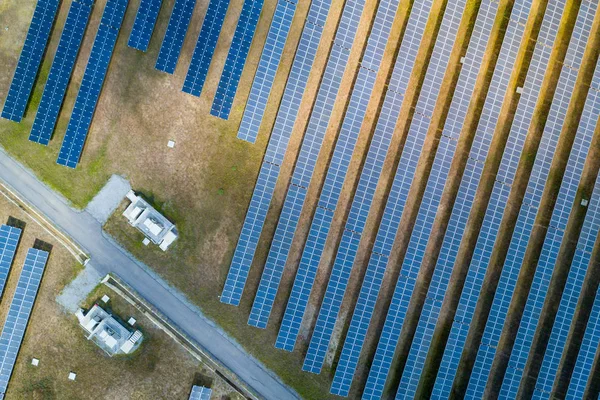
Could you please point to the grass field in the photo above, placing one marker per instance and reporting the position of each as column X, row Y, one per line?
column 204, row 184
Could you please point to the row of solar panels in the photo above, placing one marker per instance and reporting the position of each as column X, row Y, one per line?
column 22, row 302
column 351, row 236
column 147, row 14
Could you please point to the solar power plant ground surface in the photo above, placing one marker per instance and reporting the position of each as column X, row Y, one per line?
column 454, row 108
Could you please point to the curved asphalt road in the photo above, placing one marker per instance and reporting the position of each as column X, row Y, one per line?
column 109, row 257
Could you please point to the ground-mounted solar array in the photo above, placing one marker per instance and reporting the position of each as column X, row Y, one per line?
column 465, row 198
column 91, row 85
column 532, row 200
column 587, row 352
column 334, row 181
column 365, row 194
column 200, row 393
column 60, row 72
column 205, row 47
column 401, row 184
column 9, row 240
column 585, row 245
column 267, row 68
column 30, row 60
column 143, row 26
column 303, row 173
column 498, row 201
column 453, row 126
column 19, row 312
column 276, row 148
column 236, row 58
column 172, row 43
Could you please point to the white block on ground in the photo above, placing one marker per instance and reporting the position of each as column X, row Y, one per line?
column 72, row 376
column 35, row 362
column 105, row 299
column 131, row 321
column 170, row 144
column 146, row 241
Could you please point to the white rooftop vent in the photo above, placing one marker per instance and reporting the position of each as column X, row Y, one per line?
column 153, row 227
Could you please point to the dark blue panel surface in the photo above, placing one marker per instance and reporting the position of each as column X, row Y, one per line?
column 174, row 36
column 143, row 26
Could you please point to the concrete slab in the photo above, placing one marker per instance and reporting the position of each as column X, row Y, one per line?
column 108, row 199
column 79, row 289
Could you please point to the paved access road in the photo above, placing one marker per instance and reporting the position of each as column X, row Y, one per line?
column 109, row 257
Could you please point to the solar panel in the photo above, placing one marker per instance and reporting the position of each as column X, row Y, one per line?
column 200, row 393
column 533, row 196
column 498, row 202
column 574, row 284
column 267, row 68
column 174, row 36
column 91, row 84
column 587, row 353
column 334, row 181
column 143, row 26
column 19, row 313
column 303, row 171
column 205, row 46
column 236, row 58
column 276, row 148
column 60, row 72
column 9, row 240
column 30, row 60
column 415, row 253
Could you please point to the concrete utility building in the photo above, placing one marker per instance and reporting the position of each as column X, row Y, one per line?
column 150, row 222
column 107, row 332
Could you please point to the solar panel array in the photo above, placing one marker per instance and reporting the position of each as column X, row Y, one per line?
column 432, row 197
column 302, row 175
column 531, row 203
column 587, row 352
column 200, row 393
column 91, row 84
column 143, row 26
column 236, row 58
column 365, row 192
column 9, row 240
column 499, row 198
column 334, row 181
column 404, row 176
column 60, row 72
column 19, row 313
column 465, row 198
column 276, row 148
column 591, row 226
column 205, row 46
column 30, row 59
column 174, row 36
column 267, row 68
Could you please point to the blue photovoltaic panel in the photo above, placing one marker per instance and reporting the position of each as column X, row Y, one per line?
column 174, row 36
column 200, row 393
column 465, row 198
column 305, row 165
column 60, row 72
column 498, row 201
column 9, row 240
column 267, row 68
column 587, row 352
column 591, row 225
column 365, row 192
column 19, row 313
column 236, row 58
column 432, row 197
column 30, row 59
column 532, row 200
column 143, row 26
column 91, row 84
column 282, row 130
column 402, row 182
column 205, row 46
column 334, row 181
